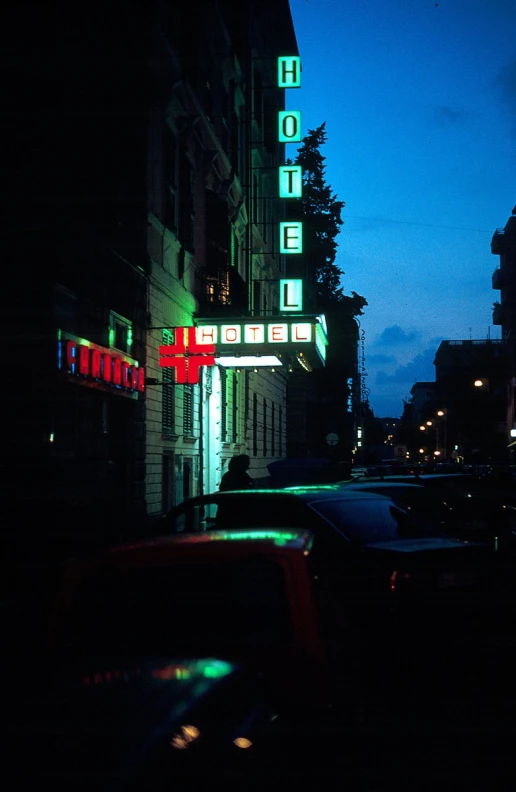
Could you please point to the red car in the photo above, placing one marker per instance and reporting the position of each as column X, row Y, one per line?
column 244, row 596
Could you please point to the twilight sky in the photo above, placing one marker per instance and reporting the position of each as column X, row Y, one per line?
column 419, row 100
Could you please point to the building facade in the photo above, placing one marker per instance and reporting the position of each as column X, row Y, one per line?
column 74, row 245
column 503, row 244
column 214, row 214
column 471, row 395
column 147, row 206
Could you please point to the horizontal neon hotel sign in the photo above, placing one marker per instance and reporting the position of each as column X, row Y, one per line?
column 256, row 333
column 97, row 366
column 265, row 338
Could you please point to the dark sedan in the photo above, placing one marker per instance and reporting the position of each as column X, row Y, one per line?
column 464, row 506
column 375, row 555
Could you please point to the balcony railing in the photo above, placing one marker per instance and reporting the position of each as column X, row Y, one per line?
column 498, row 314
column 497, row 279
column 497, row 242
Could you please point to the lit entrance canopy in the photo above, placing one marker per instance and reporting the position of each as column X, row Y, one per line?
column 249, row 361
column 303, row 336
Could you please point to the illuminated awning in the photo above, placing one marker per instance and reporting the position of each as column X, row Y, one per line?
column 292, row 340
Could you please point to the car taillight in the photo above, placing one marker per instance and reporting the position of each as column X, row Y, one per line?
column 401, row 581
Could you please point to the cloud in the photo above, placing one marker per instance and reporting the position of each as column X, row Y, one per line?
column 381, row 360
column 451, row 115
column 420, row 369
column 395, row 335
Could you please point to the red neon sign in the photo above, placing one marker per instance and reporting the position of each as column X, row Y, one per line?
column 97, row 366
column 187, row 355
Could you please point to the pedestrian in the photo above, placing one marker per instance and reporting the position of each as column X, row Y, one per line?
column 237, row 477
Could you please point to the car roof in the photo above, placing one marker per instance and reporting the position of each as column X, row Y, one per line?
column 364, row 484
column 300, row 492
column 415, row 478
column 216, row 545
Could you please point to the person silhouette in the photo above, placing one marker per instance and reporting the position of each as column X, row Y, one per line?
column 236, row 476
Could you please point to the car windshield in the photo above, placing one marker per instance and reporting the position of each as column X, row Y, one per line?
column 368, row 520
column 188, row 609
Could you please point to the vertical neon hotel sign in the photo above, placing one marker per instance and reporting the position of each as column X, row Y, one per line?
column 290, row 176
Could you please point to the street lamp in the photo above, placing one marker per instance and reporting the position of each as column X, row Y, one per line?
column 442, row 414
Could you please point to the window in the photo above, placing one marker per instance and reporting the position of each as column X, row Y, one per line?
column 280, row 431
column 234, row 252
column 257, row 292
column 167, row 481
column 170, row 181
column 168, row 417
column 188, row 399
column 120, row 333
column 223, row 404
column 186, row 203
column 257, row 97
column 255, row 424
column 273, row 438
column 255, row 199
column 264, row 435
column 234, row 416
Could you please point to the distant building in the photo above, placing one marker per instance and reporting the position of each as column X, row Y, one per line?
column 503, row 244
column 470, row 392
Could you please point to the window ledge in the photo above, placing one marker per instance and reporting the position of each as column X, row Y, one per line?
column 169, row 435
column 190, row 439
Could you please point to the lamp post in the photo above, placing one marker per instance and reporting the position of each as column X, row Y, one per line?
column 442, row 414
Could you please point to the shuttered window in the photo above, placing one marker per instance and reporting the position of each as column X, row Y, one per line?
column 188, row 401
column 264, row 436
column 168, row 417
column 223, row 404
column 234, row 415
column 255, row 424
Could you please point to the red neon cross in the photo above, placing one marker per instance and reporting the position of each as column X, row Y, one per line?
column 186, row 355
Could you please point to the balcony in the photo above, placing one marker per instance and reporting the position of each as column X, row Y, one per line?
column 497, row 242
column 497, row 279
column 498, row 314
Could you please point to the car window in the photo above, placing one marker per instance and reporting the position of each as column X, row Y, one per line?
column 247, row 511
column 190, row 519
column 367, row 520
column 201, row 608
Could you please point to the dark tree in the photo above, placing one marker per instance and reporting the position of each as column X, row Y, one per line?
column 322, row 219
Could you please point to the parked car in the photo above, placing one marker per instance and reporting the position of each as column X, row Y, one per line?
column 460, row 507
column 244, row 596
column 384, row 563
column 177, row 656
column 135, row 723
